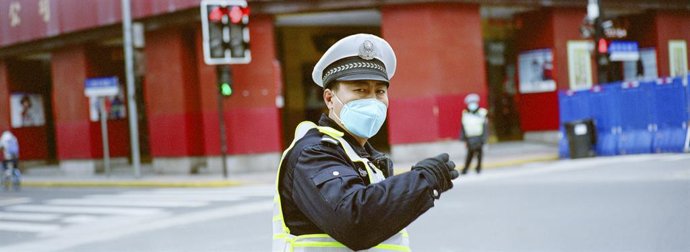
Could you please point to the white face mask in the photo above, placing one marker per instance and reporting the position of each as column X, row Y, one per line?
column 472, row 106
column 362, row 117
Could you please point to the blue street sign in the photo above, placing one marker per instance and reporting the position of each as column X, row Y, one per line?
column 624, row 51
column 102, row 86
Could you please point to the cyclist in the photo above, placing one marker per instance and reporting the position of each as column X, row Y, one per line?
column 10, row 149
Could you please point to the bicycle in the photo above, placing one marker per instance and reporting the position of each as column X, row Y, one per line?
column 11, row 176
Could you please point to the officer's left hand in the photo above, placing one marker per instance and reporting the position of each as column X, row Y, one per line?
column 440, row 169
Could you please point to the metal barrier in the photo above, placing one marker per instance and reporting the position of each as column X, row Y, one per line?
column 631, row 117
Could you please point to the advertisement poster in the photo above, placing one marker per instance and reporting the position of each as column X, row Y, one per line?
column 677, row 53
column 579, row 64
column 536, row 71
column 26, row 110
column 114, row 107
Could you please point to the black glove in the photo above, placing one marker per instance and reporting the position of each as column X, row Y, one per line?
column 439, row 171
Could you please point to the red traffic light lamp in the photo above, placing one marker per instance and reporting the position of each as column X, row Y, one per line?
column 235, row 13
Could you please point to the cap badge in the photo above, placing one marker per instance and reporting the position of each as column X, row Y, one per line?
column 366, row 50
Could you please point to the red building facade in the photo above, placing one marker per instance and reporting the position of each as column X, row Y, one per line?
column 50, row 48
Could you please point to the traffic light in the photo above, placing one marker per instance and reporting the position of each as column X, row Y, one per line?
column 225, row 32
column 224, row 80
column 225, row 89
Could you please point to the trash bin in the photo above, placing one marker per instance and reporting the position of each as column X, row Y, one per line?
column 582, row 138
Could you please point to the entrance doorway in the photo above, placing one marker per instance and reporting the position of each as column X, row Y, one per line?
column 31, row 108
column 498, row 33
column 302, row 40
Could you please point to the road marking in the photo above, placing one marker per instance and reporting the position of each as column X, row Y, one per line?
column 64, row 241
column 14, row 201
column 78, row 219
column 86, row 210
column 126, row 202
column 139, row 195
column 28, row 216
column 676, row 157
column 27, row 227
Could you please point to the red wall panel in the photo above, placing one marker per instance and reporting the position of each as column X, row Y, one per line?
column 172, row 99
column 670, row 25
column 4, row 97
column 73, row 131
column 435, row 70
column 412, row 120
column 253, row 130
column 538, row 112
column 32, row 142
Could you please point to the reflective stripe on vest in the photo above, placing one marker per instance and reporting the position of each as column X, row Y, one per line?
column 285, row 242
column 473, row 123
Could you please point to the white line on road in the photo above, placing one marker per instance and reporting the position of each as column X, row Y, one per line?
column 247, row 191
column 28, row 216
column 138, row 195
column 82, row 218
column 126, row 202
column 14, row 201
column 85, row 210
column 65, row 241
column 27, row 227
column 676, row 157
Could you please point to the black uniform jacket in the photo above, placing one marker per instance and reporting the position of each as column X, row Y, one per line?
column 322, row 191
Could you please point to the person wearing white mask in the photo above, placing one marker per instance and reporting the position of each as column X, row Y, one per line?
column 334, row 191
column 474, row 131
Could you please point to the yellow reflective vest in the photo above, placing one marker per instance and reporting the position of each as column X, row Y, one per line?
column 473, row 123
column 283, row 241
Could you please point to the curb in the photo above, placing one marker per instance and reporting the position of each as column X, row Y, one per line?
column 501, row 164
column 231, row 183
column 132, row 183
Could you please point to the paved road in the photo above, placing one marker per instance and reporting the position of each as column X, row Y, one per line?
column 629, row 203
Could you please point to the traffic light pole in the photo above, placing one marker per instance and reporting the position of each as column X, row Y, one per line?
column 601, row 60
column 224, row 73
column 131, row 99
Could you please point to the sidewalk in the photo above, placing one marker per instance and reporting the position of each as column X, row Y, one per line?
column 503, row 154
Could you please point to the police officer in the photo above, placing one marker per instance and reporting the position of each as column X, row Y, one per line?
column 335, row 192
column 474, row 131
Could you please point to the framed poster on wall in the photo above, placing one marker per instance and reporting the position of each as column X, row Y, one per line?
column 26, row 110
column 536, row 71
column 677, row 56
column 579, row 64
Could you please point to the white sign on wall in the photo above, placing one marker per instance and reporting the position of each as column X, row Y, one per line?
column 677, row 56
column 579, row 64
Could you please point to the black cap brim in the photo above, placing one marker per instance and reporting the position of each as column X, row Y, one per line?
column 363, row 76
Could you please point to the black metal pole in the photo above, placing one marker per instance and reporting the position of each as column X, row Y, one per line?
column 224, row 73
column 601, row 60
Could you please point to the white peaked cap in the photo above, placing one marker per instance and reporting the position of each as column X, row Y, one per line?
column 366, row 46
column 470, row 98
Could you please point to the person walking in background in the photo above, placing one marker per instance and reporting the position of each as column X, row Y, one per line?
column 474, row 131
column 10, row 150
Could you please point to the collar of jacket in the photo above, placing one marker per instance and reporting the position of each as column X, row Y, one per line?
column 365, row 152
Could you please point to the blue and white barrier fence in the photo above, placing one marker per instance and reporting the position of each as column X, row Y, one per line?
column 631, row 117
